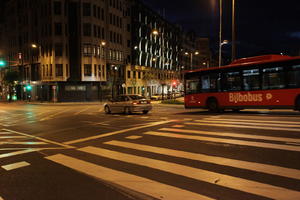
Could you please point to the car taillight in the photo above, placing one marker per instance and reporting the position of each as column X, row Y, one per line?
column 135, row 103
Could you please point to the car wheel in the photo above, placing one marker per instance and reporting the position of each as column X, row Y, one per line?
column 127, row 110
column 145, row 111
column 107, row 110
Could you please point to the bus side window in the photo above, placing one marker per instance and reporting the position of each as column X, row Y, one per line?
column 209, row 83
column 273, row 78
column 192, row 86
column 251, row 79
column 231, row 81
column 293, row 77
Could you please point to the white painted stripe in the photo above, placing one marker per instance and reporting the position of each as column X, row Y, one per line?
column 15, row 165
column 8, row 137
column 5, row 133
column 256, row 121
column 83, row 110
column 5, row 155
column 115, row 132
column 134, row 137
column 178, row 126
column 237, row 135
column 266, row 124
column 227, row 141
column 23, row 143
column 132, row 182
column 231, row 182
column 241, row 126
column 53, row 115
column 1, row 198
column 41, row 139
column 258, row 167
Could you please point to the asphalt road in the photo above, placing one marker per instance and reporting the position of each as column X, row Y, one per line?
column 75, row 151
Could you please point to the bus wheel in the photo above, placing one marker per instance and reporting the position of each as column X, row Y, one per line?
column 212, row 105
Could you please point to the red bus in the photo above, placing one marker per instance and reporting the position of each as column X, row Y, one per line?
column 271, row 81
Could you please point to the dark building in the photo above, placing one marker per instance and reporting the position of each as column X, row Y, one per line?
column 68, row 50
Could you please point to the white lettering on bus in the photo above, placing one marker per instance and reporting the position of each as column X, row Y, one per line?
column 239, row 97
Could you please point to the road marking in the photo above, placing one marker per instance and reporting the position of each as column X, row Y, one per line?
column 5, row 155
column 9, row 137
column 241, row 126
column 274, row 124
column 53, row 115
column 115, row 132
column 256, row 121
column 24, row 143
column 144, row 117
column 237, row 135
column 178, row 126
column 227, row 141
column 81, row 111
column 15, row 165
column 248, row 186
column 5, row 133
column 42, row 139
column 258, row 167
column 130, row 181
column 134, row 137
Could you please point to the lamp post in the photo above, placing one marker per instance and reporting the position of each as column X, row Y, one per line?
column 220, row 51
column 156, row 33
column 191, row 57
column 233, row 47
column 220, row 32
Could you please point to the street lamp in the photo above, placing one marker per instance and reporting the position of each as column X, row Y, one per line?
column 220, row 51
column 233, row 48
column 191, row 57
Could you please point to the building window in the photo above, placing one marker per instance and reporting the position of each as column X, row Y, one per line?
column 57, row 7
column 94, row 11
column 99, row 70
column 134, row 74
column 87, row 50
column 59, row 70
column 95, row 69
column 87, row 70
column 95, row 31
column 58, row 29
column 87, row 29
column 51, row 73
column 139, row 75
column 58, row 48
column 128, row 74
column 102, row 14
column 128, row 28
column 86, row 9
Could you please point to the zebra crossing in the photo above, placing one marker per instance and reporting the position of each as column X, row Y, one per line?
column 141, row 164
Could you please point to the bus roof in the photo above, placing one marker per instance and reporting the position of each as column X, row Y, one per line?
column 250, row 61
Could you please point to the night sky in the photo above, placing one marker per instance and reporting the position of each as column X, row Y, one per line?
column 262, row 26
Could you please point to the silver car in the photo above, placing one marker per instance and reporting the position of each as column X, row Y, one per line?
column 128, row 104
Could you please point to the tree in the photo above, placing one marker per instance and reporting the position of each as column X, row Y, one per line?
column 10, row 78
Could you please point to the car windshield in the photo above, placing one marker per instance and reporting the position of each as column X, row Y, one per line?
column 136, row 97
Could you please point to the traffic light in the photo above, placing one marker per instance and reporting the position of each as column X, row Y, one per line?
column 28, row 87
column 174, row 83
column 2, row 63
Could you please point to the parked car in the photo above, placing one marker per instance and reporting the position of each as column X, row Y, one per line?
column 128, row 104
column 156, row 97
